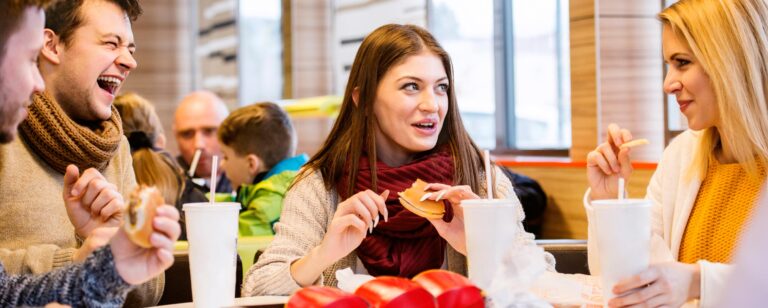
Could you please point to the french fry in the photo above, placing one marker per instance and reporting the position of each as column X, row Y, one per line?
column 634, row 143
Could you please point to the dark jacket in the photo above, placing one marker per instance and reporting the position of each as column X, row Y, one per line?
column 222, row 183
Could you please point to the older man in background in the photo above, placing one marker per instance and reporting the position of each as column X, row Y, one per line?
column 195, row 124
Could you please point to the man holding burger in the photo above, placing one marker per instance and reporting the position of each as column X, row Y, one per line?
column 71, row 142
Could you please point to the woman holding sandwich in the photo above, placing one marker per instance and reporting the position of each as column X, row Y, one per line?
column 399, row 122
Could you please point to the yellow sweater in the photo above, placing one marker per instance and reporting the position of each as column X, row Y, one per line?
column 722, row 208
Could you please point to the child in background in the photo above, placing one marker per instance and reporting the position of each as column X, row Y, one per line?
column 258, row 143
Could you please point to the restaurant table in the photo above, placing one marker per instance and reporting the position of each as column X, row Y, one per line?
column 256, row 301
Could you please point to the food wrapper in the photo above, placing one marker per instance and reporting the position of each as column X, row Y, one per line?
column 520, row 267
column 348, row 281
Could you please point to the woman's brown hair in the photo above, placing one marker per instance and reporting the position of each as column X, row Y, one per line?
column 353, row 132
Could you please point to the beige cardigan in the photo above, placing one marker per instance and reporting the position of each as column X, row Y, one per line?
column 36, row 235
column 308, row 209
column 672, row 198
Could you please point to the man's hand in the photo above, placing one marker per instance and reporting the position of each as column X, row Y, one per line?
column 136, row 264
column 91, row 201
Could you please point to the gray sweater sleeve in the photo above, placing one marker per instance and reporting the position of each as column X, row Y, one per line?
column 93, row 283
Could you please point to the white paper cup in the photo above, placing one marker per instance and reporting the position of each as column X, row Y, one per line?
column 490, row 227
column 622, row 230
column 212, row 236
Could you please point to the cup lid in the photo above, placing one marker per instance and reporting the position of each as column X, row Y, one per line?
column 488, row 202
column 207, row 206
column 620, row 202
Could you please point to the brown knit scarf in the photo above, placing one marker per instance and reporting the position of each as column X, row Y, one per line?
column 60, row 141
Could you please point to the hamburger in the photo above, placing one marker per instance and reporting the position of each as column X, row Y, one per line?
column 411, row 200
column 142, row 204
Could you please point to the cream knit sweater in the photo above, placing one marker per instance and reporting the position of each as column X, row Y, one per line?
column 36, row 235
column 308, row 209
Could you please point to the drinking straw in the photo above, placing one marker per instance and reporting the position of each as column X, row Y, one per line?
column 214, row 166
column 195, row 160
column 487, row 161
column 621, row 188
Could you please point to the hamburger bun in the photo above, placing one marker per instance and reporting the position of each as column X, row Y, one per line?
column 410, row 199
column 140, row 212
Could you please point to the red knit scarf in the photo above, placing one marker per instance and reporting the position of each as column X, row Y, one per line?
column 406, row 244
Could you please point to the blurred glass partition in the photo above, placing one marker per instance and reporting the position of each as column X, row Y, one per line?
column 260, row 51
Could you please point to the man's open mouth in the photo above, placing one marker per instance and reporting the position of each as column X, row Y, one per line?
column 109, row 84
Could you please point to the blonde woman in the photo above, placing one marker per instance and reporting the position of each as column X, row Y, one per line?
column 710, row 176
column 151, row 166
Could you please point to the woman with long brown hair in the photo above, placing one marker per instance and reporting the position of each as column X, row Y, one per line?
column 399, row 122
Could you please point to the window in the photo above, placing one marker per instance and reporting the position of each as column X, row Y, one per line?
column 260, row 63
column 511, row 65
column 676, row 122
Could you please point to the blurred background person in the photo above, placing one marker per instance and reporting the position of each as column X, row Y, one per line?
column 153, row 166
column 259, row 145
column 195, row 124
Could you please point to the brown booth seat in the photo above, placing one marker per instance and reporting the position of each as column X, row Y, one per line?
column 570, row 255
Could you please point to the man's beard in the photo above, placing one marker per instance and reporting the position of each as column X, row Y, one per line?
column 81, row 104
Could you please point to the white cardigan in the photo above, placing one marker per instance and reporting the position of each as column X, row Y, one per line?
column 672, row 198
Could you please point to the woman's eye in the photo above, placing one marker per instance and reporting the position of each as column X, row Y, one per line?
column 410, row 87
column 443, row 88
column 682, row 62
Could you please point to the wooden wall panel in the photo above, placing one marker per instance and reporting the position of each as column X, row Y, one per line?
column 626, row 8
column 582, row 9
column 564, row 217
column 622, row 40
column 583, row 86
column 312, row 69
column 311, row 131
column 164, row 75
column 631, row 81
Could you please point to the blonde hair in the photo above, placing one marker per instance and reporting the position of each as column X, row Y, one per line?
column 138, row 114
column 729, row 39
column 142, row 127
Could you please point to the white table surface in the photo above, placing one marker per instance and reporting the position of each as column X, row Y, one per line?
column 256, row 300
